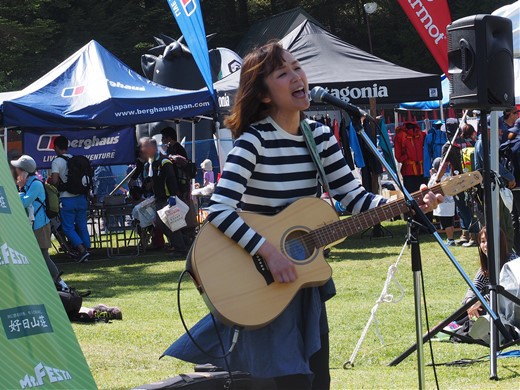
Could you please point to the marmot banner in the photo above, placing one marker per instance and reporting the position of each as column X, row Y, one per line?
column 39, row 348
column 430, row 18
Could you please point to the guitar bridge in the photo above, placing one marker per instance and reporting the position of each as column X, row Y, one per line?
column 263, row 269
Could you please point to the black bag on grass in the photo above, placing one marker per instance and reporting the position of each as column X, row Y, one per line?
column 72, row 302
column 211, row 381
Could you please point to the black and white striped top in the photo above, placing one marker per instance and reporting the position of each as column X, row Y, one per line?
column 269, row 169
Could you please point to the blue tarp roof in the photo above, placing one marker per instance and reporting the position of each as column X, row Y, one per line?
column 92, row 88
column 431, row 105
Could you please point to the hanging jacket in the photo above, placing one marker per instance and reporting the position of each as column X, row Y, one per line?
column 408, row 149
column 433, row 144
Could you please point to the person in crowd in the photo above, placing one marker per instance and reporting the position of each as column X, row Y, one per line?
column 32, row 194
column 469, row 133
column 174, row 148
column 208, row 176
column 506, row 122
column 208, row 180
column 433, row 143
column 510, row 150
column 160, row 169
column 481, row 280
column 74, row 208
column 453, row 151
column 104, row 182
column 269, row 168
column 508, row 180
column 446, row 210
column 409, row 151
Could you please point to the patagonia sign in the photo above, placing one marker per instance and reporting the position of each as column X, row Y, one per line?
column 112, row 146
column 356, row 93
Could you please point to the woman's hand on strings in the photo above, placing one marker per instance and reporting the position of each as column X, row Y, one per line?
column 282, row 269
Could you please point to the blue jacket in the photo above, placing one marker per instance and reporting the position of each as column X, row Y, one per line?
column 33, row 193
column 479, row 164
column 433, row 144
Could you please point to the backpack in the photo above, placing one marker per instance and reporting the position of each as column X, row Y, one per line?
column 468, row 159
column 80, row 176
column 51, row 203
column 185, row 171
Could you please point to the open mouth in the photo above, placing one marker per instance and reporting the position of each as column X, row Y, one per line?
column 299, row 93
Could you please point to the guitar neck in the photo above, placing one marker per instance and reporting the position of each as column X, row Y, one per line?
column 337, row 231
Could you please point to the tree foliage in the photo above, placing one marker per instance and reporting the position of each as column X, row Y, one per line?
column 36, row 35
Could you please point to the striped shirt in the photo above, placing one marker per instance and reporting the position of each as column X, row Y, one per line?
column 268, row 169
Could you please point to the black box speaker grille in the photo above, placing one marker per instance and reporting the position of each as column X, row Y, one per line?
column 480, row 57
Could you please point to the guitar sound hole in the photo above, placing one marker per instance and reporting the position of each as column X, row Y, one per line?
column 298, row 245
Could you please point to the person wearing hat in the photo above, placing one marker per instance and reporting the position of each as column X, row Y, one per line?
column 209, row 175
column 507, row 122
column 433, row 143
column 32, row 194
column 510, row 151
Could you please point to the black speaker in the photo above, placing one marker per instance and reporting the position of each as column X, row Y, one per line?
column 480, row 56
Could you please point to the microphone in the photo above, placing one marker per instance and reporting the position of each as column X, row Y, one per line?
column 319, row 95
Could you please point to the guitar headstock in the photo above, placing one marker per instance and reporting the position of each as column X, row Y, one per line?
column 457, row 184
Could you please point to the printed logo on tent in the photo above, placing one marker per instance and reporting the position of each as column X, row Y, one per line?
column 4, row 203
column 36, row 377
column 46, row 142
column 73, row 91
column 189, row 6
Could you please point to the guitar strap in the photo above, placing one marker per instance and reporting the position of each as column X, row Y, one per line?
column 313, row 150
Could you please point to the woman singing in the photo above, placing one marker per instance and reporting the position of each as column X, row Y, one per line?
column 269, row 168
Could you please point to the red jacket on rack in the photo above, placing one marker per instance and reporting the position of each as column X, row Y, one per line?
column 408, row 149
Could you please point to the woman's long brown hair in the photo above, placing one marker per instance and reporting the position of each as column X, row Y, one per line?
column 504, row 251
column 249, row 107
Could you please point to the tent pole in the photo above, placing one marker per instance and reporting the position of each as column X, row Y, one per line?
column 193, row 150
column 5, row 141
column 193, row 141
column 219, row 146
column 442, row 110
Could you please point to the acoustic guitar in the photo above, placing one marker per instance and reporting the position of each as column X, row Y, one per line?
column 239, row 289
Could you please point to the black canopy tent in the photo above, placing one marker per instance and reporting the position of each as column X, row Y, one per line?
column 345, row 71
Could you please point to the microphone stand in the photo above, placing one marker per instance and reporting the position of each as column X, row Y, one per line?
column 413, row 228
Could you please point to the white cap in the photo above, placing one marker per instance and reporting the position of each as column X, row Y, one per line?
column 25, row 163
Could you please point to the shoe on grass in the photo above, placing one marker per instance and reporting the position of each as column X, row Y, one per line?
column 450, row 242
column 83, row 257
column 469, row 244
column 463, row 238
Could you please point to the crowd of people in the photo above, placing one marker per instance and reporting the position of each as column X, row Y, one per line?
column 459, row 146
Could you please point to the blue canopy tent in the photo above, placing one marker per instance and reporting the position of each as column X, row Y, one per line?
column 92, row 88
column 431, row 105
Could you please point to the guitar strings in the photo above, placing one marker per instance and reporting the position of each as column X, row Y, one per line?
column 327, row 234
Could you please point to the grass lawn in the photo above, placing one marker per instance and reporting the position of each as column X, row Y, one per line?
column 126, row 353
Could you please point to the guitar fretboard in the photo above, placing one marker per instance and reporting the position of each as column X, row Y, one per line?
column 347, row 227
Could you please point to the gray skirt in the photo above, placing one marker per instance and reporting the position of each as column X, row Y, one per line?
column 43, row 236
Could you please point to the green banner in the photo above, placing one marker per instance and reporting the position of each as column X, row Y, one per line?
column 39, row 347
